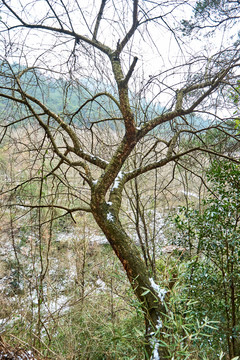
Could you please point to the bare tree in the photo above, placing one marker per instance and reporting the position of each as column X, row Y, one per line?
column 128, row 119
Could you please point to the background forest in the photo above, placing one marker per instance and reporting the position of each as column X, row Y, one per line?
column 119, row 180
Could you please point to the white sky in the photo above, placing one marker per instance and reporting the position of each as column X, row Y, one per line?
column 154, row 45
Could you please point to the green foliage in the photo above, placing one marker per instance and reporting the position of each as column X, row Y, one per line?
column 94, row 336
column 185, row 334
column 204, row 6
column 214, row 12
column 213, row 273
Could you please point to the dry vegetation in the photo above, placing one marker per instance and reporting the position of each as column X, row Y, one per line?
column 62, row 289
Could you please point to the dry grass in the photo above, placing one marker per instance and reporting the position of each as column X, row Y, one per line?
column 17, row 352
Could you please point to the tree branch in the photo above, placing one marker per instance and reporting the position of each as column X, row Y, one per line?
column 105, row 49
column 130, row 71
column 133, row 174
column 68, row 210
column 130, row 33
column 99, row 17
column 95, row 97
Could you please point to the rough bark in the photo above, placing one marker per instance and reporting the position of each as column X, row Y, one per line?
column 137, row 273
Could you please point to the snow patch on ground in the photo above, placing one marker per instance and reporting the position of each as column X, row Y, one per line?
column 101, row 285
column 189, row 193
column 98, row 239
column 59, row 304
column 155, row 222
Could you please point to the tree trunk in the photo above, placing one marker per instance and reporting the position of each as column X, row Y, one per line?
column 148, row 293
column 153, row 333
